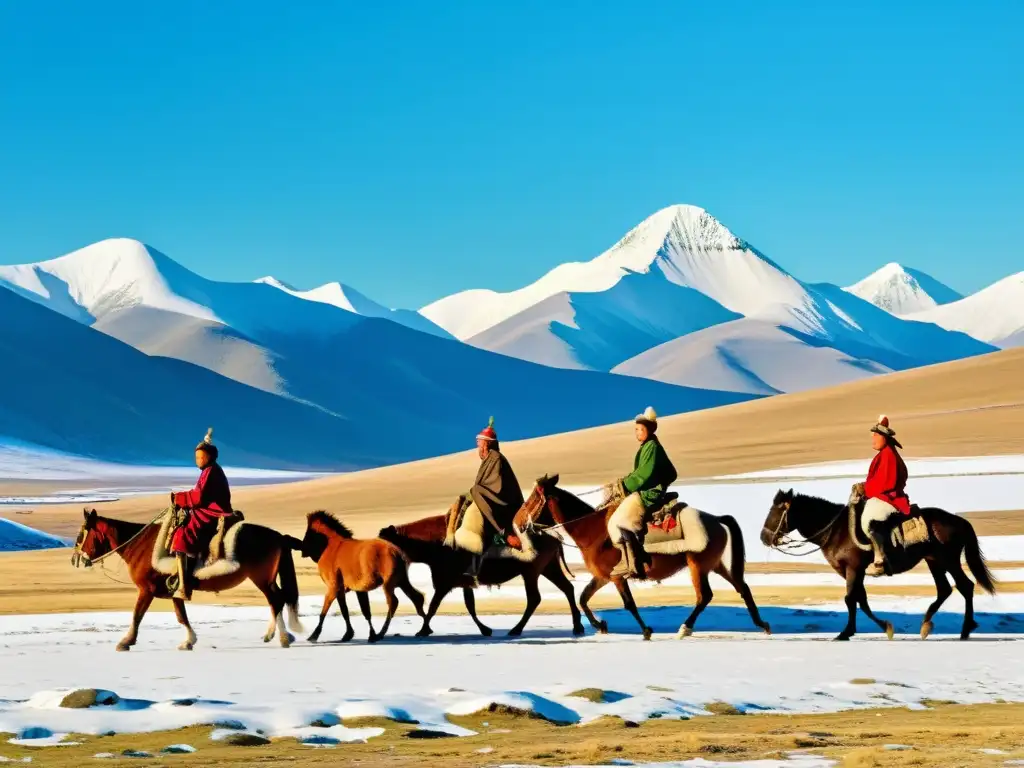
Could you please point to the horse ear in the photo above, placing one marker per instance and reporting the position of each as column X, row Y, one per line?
column 85, row 515
column 789, row 494
column 553, row 480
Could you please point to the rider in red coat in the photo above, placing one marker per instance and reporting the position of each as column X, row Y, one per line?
column 885, row 494
column 210, row 499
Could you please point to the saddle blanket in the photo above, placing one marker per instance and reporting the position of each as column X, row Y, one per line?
column 913, row 530
column 220, row 559
column 677, row 529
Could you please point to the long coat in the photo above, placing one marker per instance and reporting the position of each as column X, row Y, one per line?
column 887, row 479
column 210, row 499
column 496, row 490
column 652, row 473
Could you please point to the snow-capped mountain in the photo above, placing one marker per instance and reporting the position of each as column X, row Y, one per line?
column 249, row 357
column 345, row 297
column 901, row 290
column 994, row 314
column 682, row 272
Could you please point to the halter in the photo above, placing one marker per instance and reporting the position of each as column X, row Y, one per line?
column 532, row 525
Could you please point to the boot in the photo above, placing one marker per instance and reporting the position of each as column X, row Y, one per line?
column 639, row 556
column 627, row 563
column 878, row 532
column 181, row 579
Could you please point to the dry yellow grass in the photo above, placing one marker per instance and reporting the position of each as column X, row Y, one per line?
column 947, row 736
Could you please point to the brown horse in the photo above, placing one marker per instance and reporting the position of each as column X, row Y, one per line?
column 830, row 526
column 263, row 556
column 723, row 553
column 423, row 542
column 355, row 565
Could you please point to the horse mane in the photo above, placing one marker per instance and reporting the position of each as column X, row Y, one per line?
column 817, row 501
column 428, row 529
column 321, row 520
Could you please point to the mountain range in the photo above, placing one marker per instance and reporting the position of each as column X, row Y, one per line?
column 119, row 352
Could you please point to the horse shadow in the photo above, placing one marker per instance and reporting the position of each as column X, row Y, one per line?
column 806, row 621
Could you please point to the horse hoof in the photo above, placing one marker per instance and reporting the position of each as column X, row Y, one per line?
column 313, row 638
column 579, row 630
column 123, row 647
column 890, row 630
column 602, row 627
column 487, row 631
column 185, row 647
column 425, row 632
column 348, row 637
column 926, row 629
column 684, row 631
column 514, row 632
column 767, row 629
column 373, row 638
column 267, row 638
column 841, row 638
column 647, row 633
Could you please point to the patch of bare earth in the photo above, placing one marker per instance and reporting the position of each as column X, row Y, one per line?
column 950, row 736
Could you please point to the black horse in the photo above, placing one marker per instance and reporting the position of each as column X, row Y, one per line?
column 829, row 526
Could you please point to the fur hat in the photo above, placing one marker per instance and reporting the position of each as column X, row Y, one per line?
column 882, row 428
column 206, row 444
column 649, row 418
column 488, row 433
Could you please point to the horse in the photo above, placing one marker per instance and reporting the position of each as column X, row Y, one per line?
column 722, row 553
column 423, row 542
column 832, row 527
column 263, row 556
column 353, row 565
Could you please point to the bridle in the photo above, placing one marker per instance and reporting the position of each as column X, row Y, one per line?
column 78, row 557
column 782, row 537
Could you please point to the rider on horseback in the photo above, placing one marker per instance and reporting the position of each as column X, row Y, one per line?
column 641, row 491
column 490, row 504
column 210, row 499
column 884, row 493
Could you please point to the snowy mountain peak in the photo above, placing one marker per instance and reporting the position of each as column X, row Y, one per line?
column 685, row 244
column 994, row 314
column 105, row 277
column 900, row 290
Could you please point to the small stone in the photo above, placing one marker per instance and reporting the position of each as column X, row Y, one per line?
column 245, row 739
column 84, row 698
column 178, row 749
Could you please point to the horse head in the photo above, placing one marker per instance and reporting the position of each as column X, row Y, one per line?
column 534, row 507
column 92, row 541
column 777, row 525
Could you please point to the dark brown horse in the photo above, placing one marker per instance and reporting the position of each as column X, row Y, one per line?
column 356, row 565
column 263, row 556
column 722, row 553
column 423, row 542
column 828, row 525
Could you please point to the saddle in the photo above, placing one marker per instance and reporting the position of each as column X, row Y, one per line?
column 904, row 530
column 676, row 527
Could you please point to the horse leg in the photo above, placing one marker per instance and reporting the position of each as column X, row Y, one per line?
column 414, row 595
column 702, row 586
column 588, row 592
column 142, row 603
column 885, row 626
column 966, row 588
column 329, row 596
column 440, row 593
column 627, row 600
column 854, row 584
column 470, row 597
column 392, row 601
column 561, row 581
column 179, row 612
column 748, row 598
column 343, row 605
column 942, row 593
column 364, row 606
column 532, row 601
column 276, row 602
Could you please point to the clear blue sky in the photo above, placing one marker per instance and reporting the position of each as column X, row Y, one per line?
column 417, row 148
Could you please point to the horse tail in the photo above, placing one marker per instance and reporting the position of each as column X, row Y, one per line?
column 976, row 560
column 289, row 582
column 735, row 553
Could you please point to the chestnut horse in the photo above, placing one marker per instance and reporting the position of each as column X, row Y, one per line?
column 264, row 556
column 355, row 565
column 829, row 526
column 723, row 554
column 423, row 542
